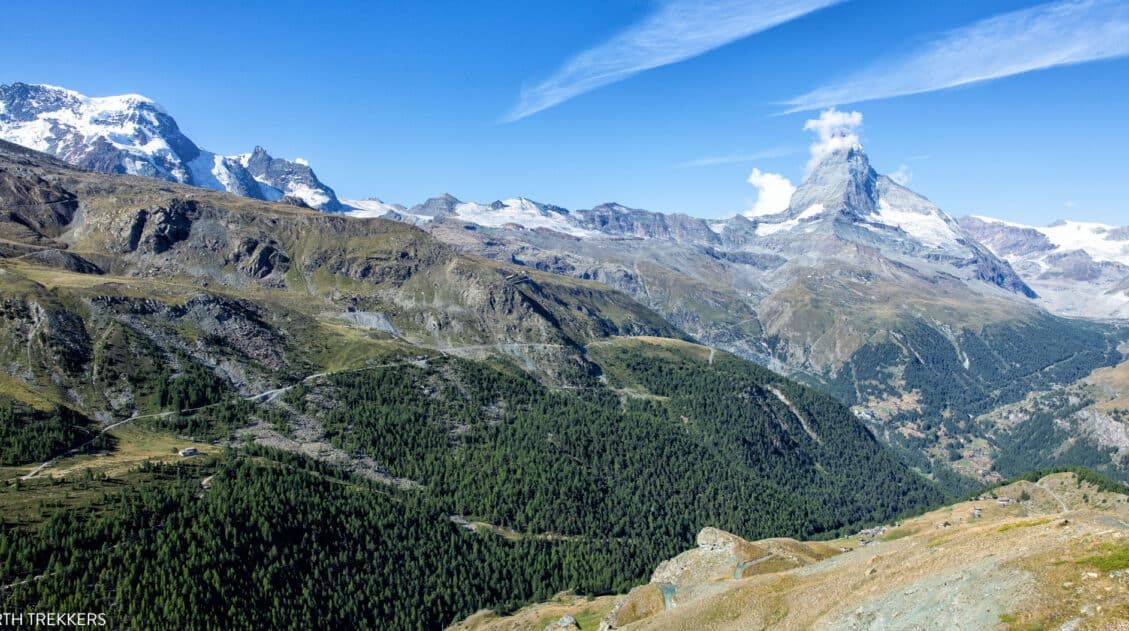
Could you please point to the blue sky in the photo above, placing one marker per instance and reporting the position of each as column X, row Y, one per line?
column 666, row 105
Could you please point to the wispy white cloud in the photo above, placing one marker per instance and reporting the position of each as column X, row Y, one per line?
column 834, row 131
column 676, row 31
column 774, row 193
column 902, row 175
column 732, row 158
column 1044, row 36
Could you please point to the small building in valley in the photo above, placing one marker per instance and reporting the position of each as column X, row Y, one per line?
column 189, row 451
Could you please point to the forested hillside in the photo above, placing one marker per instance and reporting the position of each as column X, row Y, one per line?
column 278, row 541
column 593, row 485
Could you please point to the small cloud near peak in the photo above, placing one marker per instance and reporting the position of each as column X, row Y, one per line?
column 835, row 131
column 774, row 193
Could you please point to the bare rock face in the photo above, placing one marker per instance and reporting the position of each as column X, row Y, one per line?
column 618, row 220
column 285, row 175
column 156, row 230
column 564, row 623
column 719, row 559
column 712, row 539
column 61, row 259
column 42, row 335
column 32, row 205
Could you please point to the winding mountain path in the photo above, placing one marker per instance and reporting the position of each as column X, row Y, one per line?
column 265, row 396
column 1054, row 495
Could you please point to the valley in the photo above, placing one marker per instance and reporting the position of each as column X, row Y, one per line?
column 354, row 389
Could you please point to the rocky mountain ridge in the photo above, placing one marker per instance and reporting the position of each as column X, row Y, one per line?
column 132, row 134
column 200, row 278
column 861, row 286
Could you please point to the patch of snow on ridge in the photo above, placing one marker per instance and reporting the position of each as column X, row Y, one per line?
column 1091, row 237
column 520, row 211
column 370, row 208
column 767, row 228
column 928, row 228
column 312, row 196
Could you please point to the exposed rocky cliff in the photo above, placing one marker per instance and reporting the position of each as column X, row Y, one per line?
column 99, row 267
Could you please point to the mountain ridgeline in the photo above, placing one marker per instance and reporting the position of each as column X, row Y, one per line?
column 494, row 433
column 861, row 287
column 132, row 134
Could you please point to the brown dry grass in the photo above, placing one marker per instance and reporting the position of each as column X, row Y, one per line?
column 588, row 614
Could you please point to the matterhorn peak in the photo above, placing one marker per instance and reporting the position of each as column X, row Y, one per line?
column 842, row 181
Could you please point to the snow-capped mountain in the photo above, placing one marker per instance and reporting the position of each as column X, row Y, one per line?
column 845, row 197
column 1078, row 268
column 372, row 207
column 519, row 211
column 132, row 134
column 515, row 212
column 843, row 204
column 280, row 178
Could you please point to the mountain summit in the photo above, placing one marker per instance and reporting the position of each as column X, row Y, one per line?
column 845, row 197
column 843, row 180
column 132, row 134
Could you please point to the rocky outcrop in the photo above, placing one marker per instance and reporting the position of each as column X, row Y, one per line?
column 33, row 207
column 719, row 559
column 295, row 180
column 437, row 207
column 564, row 623
column 617, row 220
column 61, row 259
column 41, row 337
column 157, row 230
